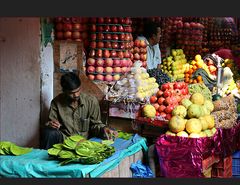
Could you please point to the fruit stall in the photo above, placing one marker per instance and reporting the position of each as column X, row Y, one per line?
column 191, row 103
column 188, row 109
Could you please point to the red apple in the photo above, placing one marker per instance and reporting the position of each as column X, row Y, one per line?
column 100, row 36
column 124, row 69
column 100, row 28
column 161, row 100
column 93, row 20
column 165, row 86
column 153, row 99
column 93, row 44
column 107, row 28
column 136, row 56
column 93, row 27
column 137, row 43
column 120, row 54
column 114, row 20
column 59, row 26
column 100, row 20
column 92, row 53
column 124, row 63
column 67, row 27
column 113, row 53
column 106, row 53
column 99, row 77
column 114, row 28
column 58, row 19
column 117, row 70
column 161, row 108
column 122, row 36
column 100, row 62
column 93, row 36
column 116, row 77
column 107, row 20
column 122, row 45
column 77, row 27
column 108, row 36
column 120, row 29
column 107, row 44
column 114, row 45
column 116, row 62
column 99, row 53
column 168, row 116
column 91, row 69
column 143, row 44
column 91, row 77
column 67, row 35
column 127, row 20
column 126, row 54
column 114, row 37
column 99, row 69
column 108, row 70
column 100, row 45
column 59, row 35
column 108, row 62
column 91, row 61
column 169, row 109
column 156, row 106
column 121, row 20
column 159, row 93
column 108, row 78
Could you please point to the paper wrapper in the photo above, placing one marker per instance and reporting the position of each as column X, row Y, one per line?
column 182, row 157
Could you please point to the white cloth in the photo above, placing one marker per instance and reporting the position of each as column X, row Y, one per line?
column 153, row 54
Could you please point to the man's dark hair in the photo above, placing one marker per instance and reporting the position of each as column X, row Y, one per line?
column 70, row 81
column 150, row 28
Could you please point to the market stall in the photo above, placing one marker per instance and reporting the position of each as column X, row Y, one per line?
column 188, row 107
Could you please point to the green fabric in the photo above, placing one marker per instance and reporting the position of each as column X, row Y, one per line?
column 37, row 164
column 46, row 29
column 85, row 117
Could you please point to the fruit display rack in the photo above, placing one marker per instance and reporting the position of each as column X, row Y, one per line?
column 110, row 47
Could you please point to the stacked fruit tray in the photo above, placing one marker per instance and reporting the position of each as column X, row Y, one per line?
column 110, row 48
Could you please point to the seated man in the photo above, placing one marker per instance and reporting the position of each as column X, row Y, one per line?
column 73, row 112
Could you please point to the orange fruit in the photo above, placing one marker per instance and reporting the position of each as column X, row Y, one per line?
column 199, row 78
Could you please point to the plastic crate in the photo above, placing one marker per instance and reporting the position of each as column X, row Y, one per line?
column 236, row 170
column 235, row 176
column 222, row 173
column 236, row 155
column 236, row 162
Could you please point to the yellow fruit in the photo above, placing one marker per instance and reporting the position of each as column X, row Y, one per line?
column 179, row 110
column 176, row 124
column 149, row 111
column 194, row 135
column 194, row 111
column 204, row 123
column 203, row 134
column 210, row 120
column 198, row 57
column 186, row 102
column 197, row 98
column 193, row 125
column 209, row 105
column 182, row 134
column 170, row 133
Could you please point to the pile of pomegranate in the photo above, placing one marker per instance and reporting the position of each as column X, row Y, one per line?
column 71, row 28
column 110, row 48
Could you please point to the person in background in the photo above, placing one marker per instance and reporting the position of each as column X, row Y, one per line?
column 73, row 112
column 152, row 34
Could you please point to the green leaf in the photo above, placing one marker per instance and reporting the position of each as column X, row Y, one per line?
column 17, row 150
column 64, row 154
column 54, row 151
column 77, row 138
column 58, row 146
column 69, row 144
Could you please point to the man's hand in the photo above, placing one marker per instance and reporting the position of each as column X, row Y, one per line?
column 110, row 133
column 53, row 124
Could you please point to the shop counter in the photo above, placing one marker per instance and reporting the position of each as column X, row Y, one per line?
column 37, row 163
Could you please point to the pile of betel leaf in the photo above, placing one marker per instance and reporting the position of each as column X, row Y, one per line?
column 9, row 148
column 77, row 149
